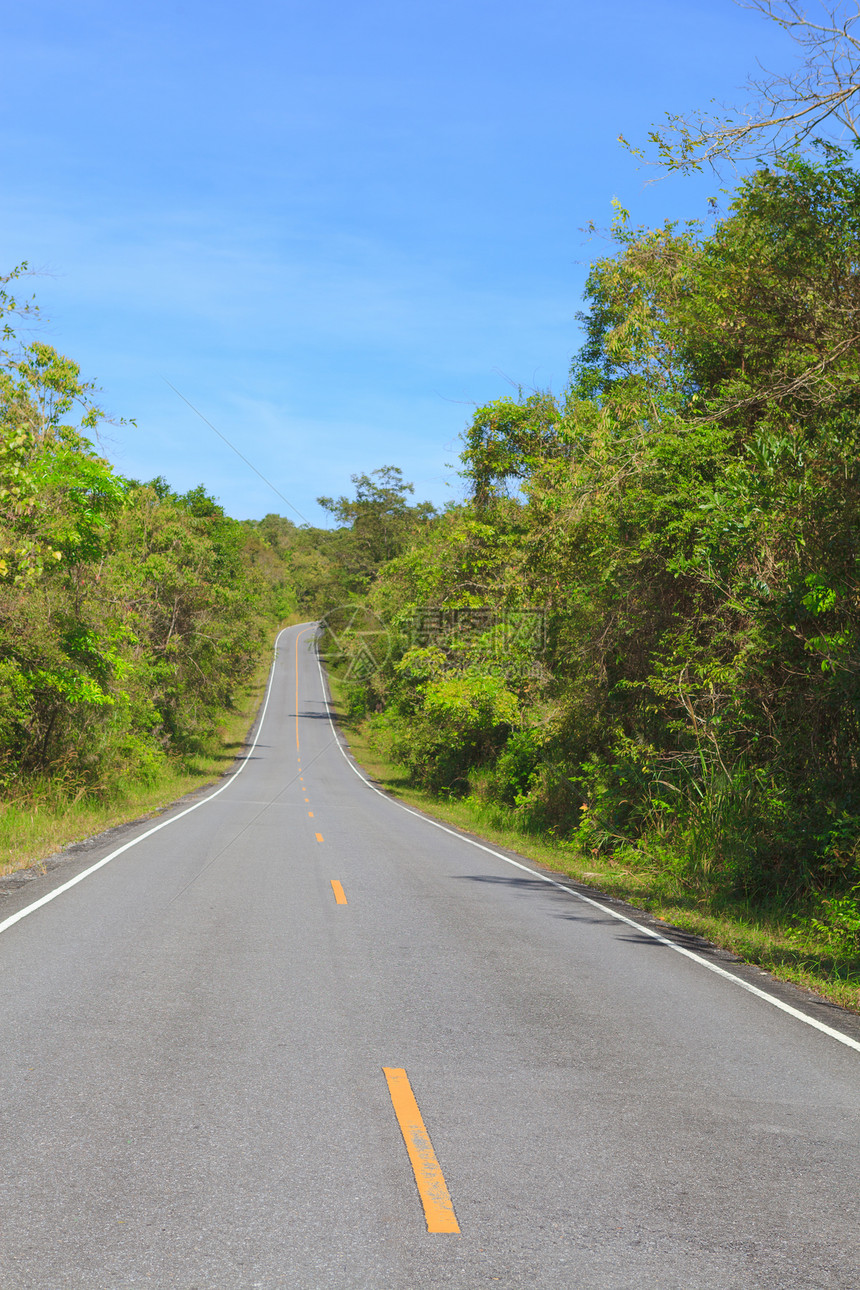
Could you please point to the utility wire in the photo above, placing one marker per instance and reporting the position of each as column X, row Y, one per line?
column 268, row 482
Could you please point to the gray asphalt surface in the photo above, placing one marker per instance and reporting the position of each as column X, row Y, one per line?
column 194, row 1036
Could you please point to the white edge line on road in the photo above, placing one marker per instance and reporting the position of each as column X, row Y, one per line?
column 85, row 873
column 604, row 909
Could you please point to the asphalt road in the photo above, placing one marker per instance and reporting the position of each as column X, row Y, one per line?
column 195, row 1039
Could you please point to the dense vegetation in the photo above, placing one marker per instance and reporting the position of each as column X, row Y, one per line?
column 329, row 568
column 638, row 636
column 641, row 633
column 128, row 614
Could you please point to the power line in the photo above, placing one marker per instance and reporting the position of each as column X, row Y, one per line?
column 268, row 482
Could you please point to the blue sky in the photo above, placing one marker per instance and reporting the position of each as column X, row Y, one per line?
column 334, row 227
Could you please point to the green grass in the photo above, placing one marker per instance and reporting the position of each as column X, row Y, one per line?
column 37, row 829
column 776, row 938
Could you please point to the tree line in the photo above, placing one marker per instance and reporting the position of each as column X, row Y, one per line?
column 640, row 634
column 129, row 613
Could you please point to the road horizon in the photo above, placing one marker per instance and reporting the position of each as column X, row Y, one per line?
column 296, row 1034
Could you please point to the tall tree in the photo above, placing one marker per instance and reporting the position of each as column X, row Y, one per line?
column 380, row 521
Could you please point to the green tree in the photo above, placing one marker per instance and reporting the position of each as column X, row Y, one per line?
column 688, row 516
column 128, row 613
column 379, row 520
column 509, row 439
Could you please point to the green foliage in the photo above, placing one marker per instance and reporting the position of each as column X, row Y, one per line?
column 329, row 568
column 128, row 614
column 688, row 517
column 379, row 524
column 462, row 721
column 306, row 559
column 508, row 440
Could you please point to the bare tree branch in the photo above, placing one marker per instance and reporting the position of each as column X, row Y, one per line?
column 788, row 108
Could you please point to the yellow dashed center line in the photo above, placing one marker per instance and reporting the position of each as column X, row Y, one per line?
column 438, row 1209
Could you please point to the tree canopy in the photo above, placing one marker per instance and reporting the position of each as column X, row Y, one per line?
column 641, row 633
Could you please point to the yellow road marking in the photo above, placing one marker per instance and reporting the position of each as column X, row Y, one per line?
column 319, row 837
column 339, row 893
column 438, row 1209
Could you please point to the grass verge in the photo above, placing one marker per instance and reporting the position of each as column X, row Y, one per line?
column 34, row 831
column 780, row 941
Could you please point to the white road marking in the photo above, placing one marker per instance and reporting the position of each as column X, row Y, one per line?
column 613, row 913
column 85, row 873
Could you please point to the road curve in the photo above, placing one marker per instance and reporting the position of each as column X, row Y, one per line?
column 298, row 1037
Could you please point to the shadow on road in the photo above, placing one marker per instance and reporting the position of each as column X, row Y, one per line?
column 579, row 912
